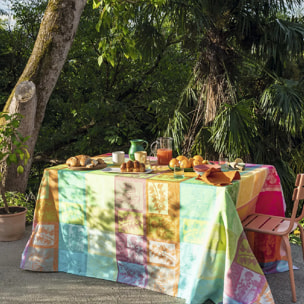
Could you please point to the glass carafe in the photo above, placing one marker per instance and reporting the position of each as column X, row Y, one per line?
column 163, row 148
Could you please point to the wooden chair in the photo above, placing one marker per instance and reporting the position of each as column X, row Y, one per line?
column 281, row 226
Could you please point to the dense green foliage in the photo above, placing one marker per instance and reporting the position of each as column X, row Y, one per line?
column 219, row 76
column 95, row 109
column 99, row 108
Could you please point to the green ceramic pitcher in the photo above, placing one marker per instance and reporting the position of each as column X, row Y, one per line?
column 137, row 145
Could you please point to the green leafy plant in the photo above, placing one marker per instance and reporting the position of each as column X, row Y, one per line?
column 13, row 149
column 19, row 199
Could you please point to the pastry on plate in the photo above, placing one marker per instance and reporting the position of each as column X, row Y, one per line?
column 123, row 167
column 73, row 162
column 130, row 166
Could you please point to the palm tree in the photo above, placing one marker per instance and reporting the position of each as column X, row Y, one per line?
column 241, row 44
column 247, row 102
column 241, row 100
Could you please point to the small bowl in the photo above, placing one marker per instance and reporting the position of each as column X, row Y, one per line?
column 185, row 169
column 203, row 168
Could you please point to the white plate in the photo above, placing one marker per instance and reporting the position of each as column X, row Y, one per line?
column 117, row 170
column 99, row 166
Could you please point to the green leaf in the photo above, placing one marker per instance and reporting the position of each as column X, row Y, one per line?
column 15, row 123
column 21, row 155
column 27, row 154
column 26, row 138
column 111, row 60
column 100, row 60
column 13, row 158
column 97, row 3
column 20, row 169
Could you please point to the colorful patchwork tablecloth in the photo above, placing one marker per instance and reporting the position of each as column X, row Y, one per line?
column 179, row 237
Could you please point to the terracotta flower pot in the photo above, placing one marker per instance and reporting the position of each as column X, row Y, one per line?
column 12, row 226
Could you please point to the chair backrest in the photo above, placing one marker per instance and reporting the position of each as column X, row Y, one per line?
column 298, row 194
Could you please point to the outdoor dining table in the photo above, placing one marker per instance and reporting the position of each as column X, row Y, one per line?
column 181, row 237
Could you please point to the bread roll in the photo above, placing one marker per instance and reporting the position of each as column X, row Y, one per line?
column 130, row 164
column 84, row 160
column 100, row 161
column 123, row 167
column 142, row 167
column 73, row 162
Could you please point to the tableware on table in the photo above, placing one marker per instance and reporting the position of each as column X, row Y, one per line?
column 238, row 160
column 140, row 156
column 185, row 169
column 118, row 157
column 153, row 149
column 85, row 162
column 153, row 160
column 223, row 162
column 117, row 170
column 237, row 166
column 163, row 147
column 178, row 172
column 97, row 167
column 137, row 145
column 200, row 169
column 148, row 163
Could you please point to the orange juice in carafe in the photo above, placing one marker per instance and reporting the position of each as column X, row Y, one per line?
column 163, row 149
column 164, row 156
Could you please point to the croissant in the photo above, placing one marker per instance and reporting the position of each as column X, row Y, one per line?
column 73, row 162
column 83, row 160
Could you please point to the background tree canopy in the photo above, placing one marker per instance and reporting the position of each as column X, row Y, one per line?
column 218, row 76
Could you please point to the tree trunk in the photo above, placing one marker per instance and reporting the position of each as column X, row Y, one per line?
column 56, row 34
column 212, row 70
column 24, row 102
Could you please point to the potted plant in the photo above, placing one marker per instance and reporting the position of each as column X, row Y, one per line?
column 13, row 150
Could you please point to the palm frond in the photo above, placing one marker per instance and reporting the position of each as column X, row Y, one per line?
column 176, row 129
column 188, row 97
column 296, row 158
column 282, row 103
column 234, row 129
column 280, row 38
column 156, row 41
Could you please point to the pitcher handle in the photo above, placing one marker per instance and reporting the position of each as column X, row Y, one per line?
column 147, row 144
column 152, row 145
